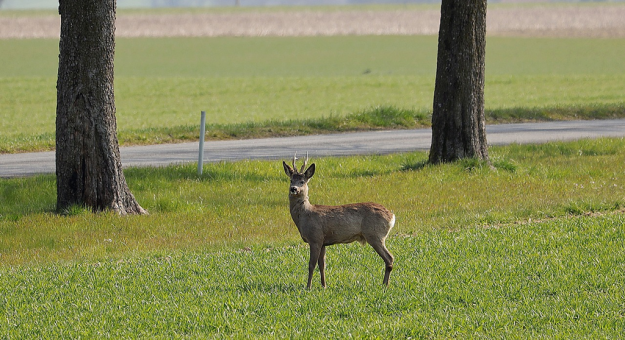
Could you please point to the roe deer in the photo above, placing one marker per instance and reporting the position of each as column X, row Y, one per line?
column 322, row 225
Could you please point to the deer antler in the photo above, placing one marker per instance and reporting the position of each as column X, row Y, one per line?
column 294, row 159
column 304, row 165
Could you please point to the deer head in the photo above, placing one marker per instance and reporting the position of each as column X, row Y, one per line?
column 299, row 179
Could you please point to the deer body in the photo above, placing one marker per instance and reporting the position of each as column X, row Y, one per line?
column 323, row 225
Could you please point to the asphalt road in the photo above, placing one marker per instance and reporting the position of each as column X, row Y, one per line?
column 374, row 142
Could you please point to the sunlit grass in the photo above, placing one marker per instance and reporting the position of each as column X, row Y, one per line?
column 560, row 278
column 163, row 84
column 245, row 203
column 264, row 107
column 531, row 249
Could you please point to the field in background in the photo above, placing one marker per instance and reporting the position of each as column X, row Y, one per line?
column 163, row 83
column 535, row 19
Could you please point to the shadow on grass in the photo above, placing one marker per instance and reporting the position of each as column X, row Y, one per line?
column 543, row 114
column 224, row 171
column 414, row 166
column 467, row 164
column 385, row 117
column 23, row 196
column 374, row 118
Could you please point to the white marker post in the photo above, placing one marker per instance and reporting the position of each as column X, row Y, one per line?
column 200, row 161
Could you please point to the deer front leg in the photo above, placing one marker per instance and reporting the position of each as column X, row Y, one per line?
column 315, row 251
column 322, row 266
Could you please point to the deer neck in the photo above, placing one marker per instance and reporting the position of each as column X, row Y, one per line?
column 299, row 204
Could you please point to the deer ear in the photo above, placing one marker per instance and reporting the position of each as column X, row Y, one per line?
column 287, row 169
column 310, row 171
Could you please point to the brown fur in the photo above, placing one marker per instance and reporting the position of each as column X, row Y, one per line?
column 323, row 225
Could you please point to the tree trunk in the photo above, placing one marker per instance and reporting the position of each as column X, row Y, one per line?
column 88, row 165
column 458, row 124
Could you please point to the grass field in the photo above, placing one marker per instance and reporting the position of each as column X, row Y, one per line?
column 162, row 84
column 534, row 249
column 245, row 202
column 525, row 281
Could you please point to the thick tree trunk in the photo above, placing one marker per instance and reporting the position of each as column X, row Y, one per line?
column 88, row 165
column 458, row 127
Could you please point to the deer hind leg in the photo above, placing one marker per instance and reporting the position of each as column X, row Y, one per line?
column 380, row 248
column 322, row 266
column 315, row 251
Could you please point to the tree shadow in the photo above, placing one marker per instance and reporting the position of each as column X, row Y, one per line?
column 414, row 166
column 27, row 195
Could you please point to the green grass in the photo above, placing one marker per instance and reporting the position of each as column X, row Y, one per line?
column 245, row 202
column 533, row 249
column 163, row 84
column 524, row 281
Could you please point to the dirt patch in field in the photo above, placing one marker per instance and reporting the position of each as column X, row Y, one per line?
column 548, row 21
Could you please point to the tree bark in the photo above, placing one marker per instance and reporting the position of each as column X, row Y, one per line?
column 458, row 123
column 88, row 164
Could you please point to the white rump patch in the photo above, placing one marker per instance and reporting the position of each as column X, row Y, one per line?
column 391, row 223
